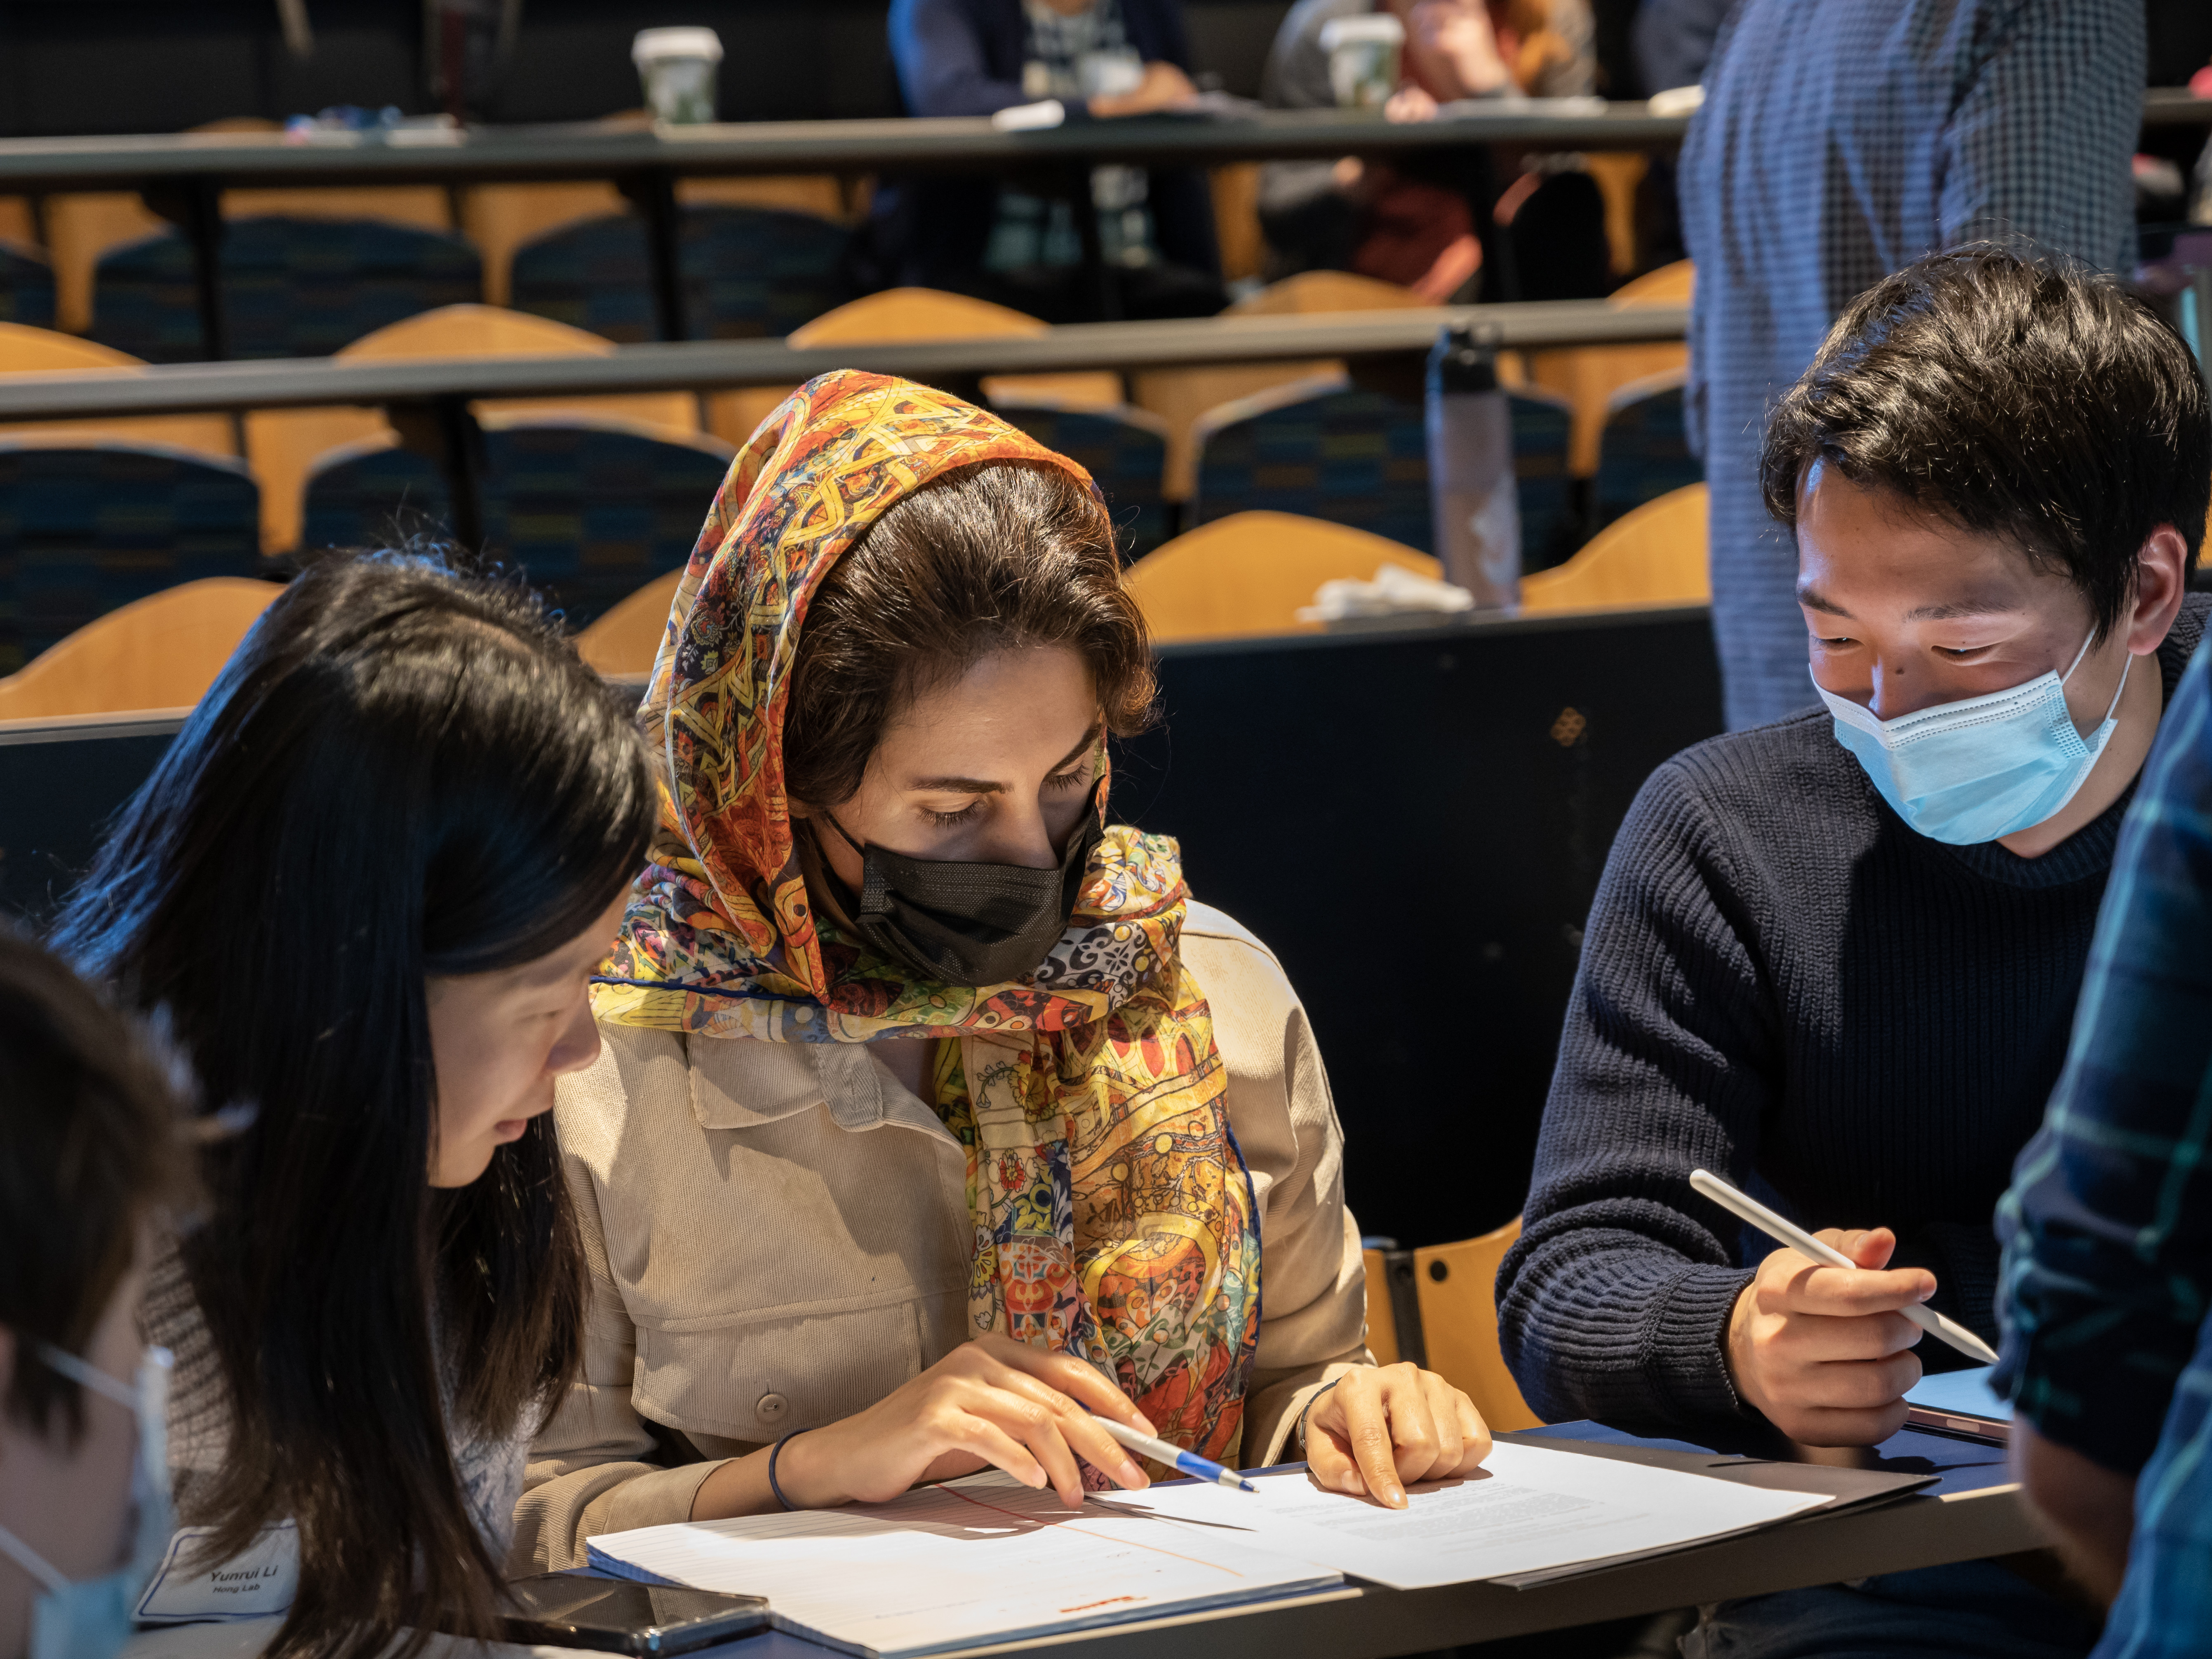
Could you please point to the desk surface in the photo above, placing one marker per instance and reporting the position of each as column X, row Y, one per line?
column 689, row 365
column 950, row 143
column 582, row 151
column 1974, row 1511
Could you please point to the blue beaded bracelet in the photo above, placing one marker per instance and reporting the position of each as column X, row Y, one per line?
column 778, row 1452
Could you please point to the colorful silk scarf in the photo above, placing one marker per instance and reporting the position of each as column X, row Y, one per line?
column 1114, row 1214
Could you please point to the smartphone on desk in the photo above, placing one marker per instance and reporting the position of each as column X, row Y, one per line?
column 567, row 1610
column 1961, row 1403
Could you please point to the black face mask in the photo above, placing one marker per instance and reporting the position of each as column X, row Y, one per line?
column 964, row 924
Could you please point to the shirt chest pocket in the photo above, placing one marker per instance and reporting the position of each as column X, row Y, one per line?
column 767, row 1378
column 788, row 1273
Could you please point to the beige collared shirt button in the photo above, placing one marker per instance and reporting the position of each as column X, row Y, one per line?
column 771, row 1408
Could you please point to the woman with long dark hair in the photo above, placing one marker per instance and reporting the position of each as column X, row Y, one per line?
column 935, row 1114
column 366, row 887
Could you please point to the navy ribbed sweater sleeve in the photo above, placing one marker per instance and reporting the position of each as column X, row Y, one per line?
column 1614, row 1301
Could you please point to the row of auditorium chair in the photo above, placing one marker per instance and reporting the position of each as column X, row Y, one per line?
column 304, row 270
column 1249, row 575
column 591, row 496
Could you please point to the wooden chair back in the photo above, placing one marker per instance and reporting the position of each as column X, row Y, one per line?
column 43, row 350
column 283, row 443
column 1251, row 572
column 1655, row 555
column 626, row 639
column 81, row 225
column 1451, row 1327
column 1589, row 376
column 1181, row 396
column 929, row 313
column 160, row 652
column 1457, row 1285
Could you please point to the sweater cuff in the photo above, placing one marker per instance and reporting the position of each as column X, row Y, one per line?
column 1687, row 1347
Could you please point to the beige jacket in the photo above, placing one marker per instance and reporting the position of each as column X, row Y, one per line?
column 778, row 1237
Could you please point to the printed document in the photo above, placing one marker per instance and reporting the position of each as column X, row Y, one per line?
column 1526, row 1509
column 953, row 1566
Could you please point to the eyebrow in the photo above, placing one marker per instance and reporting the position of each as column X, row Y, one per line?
column 985, row 787
column 1812, row 599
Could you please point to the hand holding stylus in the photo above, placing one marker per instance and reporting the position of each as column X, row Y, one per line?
column 1820, row 1340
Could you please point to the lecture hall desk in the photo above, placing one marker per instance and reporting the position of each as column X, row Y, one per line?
column 1974, row 1511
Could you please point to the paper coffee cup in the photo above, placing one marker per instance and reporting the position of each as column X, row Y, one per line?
column 1362, row 58
column 677, row 67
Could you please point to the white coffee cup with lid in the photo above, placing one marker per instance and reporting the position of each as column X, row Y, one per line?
column 1362, row 58
column 679, row 67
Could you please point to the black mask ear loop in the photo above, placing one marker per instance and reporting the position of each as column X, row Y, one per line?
column 841, row 830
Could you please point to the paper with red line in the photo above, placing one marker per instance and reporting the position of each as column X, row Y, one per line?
column 951, row 1566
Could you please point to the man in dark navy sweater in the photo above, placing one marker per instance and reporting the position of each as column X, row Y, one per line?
column 1836, row 959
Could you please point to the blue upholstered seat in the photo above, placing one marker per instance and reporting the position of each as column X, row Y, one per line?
column 594, row 511
column 588, row 511
column 1321, row 449
column 747, row 273
column 372, row 494
column 87, row 528
column 1124, row 449
column 1551, row 522
column 27, row 286
column 1642, row 450
column 292, row 288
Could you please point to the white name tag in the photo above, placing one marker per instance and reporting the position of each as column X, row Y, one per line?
column 259, row 1581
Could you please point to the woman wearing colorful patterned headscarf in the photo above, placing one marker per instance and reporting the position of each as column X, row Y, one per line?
column 933, row 1113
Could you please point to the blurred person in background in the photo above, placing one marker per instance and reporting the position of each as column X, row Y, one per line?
column 88, row 1164
column 1673, row 42
column 1839, row 141
column 1420, row 220
column 1020, row 245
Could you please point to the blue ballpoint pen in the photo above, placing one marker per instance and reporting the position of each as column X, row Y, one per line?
column 1173, row 1456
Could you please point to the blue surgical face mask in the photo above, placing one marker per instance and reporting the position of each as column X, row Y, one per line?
column 1980, row 769
column 90, row 1619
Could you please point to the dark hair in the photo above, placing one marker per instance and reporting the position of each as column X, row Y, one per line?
column 986, row 557
column 90, row 1149
column 2022, row 398
column 402, row 773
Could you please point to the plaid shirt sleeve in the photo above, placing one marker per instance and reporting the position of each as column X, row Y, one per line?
column 2108, row 1225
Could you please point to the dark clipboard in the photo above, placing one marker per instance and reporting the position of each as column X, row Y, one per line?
column 1845, row 1489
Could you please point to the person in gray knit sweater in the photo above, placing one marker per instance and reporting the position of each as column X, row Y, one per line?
column 365, row 887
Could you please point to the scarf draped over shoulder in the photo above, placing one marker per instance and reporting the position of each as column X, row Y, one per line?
column 1113, row 1215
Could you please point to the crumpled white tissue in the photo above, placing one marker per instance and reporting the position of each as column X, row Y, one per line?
column 1394, row 589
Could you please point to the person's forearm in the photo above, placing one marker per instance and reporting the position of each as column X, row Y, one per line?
column 2090, row 1507
column 1627, row 1334
column 737, row 1487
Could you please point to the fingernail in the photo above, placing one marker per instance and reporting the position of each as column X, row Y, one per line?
column 1131, row 1474
column 1351, row 1481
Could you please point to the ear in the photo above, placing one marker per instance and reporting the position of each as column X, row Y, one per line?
column 2161, row 579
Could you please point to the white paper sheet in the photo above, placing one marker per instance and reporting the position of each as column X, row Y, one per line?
column 950, row 1565
column 1528, row 1509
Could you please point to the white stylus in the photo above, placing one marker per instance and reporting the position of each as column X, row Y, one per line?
column 1783, row 1232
